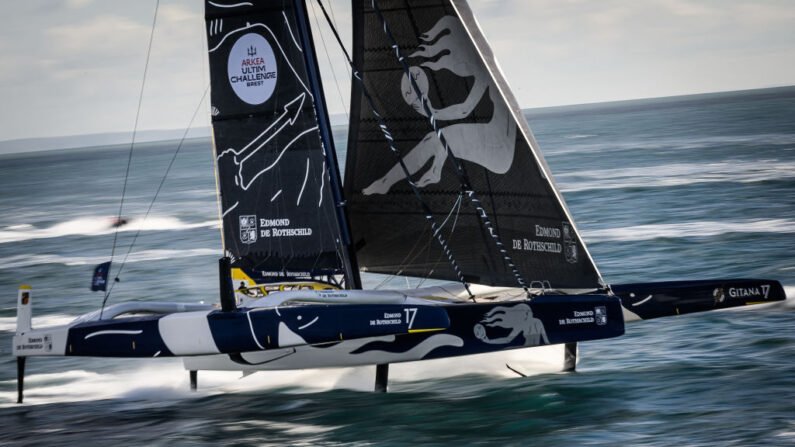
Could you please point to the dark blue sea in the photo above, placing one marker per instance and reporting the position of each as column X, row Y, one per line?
column 665, row 189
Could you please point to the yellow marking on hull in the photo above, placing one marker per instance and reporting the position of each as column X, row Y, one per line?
column 25, row 287
column 677, row 311
column 70, row 349
column 133, row 346
column 269, row 339
column 436, row 298
column 757, row 302
column 414, row 331
column 340, row 335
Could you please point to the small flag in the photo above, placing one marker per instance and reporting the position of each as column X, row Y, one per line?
column 100, row 279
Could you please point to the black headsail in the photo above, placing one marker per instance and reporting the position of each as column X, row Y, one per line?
column 454, row 68
column 277, row 173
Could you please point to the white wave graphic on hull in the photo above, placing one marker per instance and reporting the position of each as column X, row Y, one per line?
column 689, row 229
column 144, row 255
column 96, row 226
column 676, row 174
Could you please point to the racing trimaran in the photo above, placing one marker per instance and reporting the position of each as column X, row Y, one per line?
column 444, row 180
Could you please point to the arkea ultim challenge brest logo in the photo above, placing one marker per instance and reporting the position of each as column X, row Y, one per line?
column 252, row 69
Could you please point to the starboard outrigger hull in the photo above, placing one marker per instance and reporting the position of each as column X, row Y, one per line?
column 644, row 301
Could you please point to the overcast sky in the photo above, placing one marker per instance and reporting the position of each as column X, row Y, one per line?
column 75, row 67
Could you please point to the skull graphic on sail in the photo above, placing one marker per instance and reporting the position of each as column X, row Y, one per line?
column 489, row 144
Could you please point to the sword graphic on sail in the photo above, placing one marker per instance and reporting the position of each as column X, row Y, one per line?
column 248, row 172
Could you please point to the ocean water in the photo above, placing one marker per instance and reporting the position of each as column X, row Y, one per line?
column 665, row 189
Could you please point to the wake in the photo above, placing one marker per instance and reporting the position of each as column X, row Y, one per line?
column 19, row 261
column 676, row 174
column 96, row 226
column 690, row 229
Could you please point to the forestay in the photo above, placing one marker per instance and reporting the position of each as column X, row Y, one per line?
column 277, row 198
column 455, row 69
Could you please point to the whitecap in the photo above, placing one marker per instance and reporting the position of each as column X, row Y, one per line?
column 676, row 174
column 9, row 324
column 143, row 255
column 96, row 226
column 689, row 229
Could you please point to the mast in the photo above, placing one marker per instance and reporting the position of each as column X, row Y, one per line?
column 354, row 280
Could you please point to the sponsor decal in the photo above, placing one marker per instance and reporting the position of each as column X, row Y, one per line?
column 600, row 315
column 248, row 229
column 719, row 295
column 252, row 69
column 541, row 231
column 549, row 232
column 565, row 233
column 391, row 318
column 274, row 229
column 36, row 343
column 749, row 292
column 25, row 298
column 569, row 243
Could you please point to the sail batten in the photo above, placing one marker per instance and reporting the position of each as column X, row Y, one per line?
column 450, row 64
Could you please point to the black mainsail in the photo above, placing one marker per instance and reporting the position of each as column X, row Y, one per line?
column 277, row 179
column 453, row 66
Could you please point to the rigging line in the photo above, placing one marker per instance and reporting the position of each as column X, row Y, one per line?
column 391, row 142
column 132, row 145
column 457, row 203
column 157, row 192
column 449, row 235
column 331, row 65
column 409, row 258
column 462, row 176
column 334, row 20
column 457, row 209
column 135, row 128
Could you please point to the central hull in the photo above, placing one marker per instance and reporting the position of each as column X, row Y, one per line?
column 337, row 335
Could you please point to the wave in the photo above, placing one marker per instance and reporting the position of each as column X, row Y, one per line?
column 166, row 380
column 96, row 226
column 159, row 380
column 676, row 174
column 9, row 324
column 143, row 255
column 689, row 229
column 603, row 145
column 578, row 136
